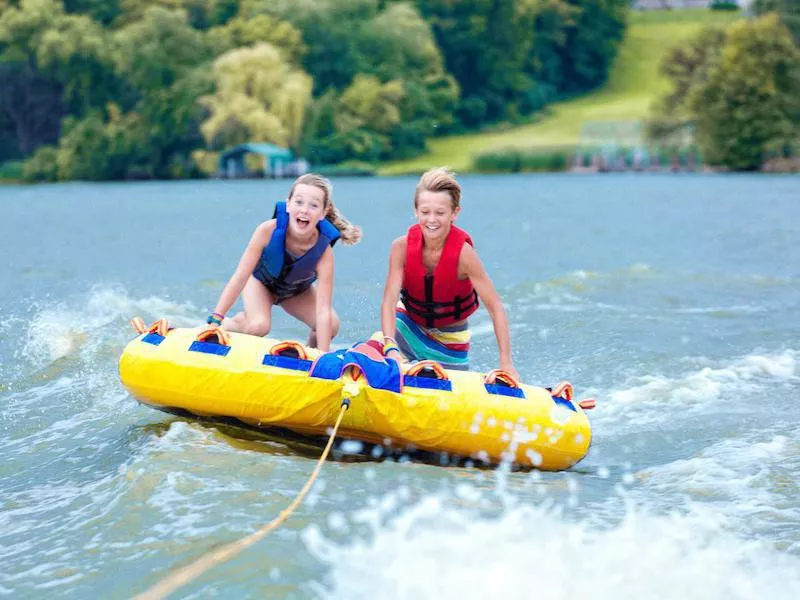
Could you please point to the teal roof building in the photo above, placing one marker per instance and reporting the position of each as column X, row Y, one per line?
column 277, row 161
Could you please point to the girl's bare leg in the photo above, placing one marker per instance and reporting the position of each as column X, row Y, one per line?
column 304, row 308
column 257, row 316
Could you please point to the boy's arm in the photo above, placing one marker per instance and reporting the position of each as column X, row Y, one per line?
column 470, row 264
column 324, row 299
column 391, row 291
column 247, row 264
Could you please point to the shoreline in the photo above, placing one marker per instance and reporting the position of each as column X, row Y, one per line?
column 794, row 169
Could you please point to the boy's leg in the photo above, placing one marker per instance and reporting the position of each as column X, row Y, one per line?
column 448, row 346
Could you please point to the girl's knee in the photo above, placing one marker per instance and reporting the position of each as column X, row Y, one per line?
column 335, row 324
column 235, row 323
column 258, row 327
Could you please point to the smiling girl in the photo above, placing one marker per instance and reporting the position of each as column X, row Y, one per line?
column 283, row 259
column 436, row 274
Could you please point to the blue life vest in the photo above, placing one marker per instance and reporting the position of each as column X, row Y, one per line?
column 284, row 275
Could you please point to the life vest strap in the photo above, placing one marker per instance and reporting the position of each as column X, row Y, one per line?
column 427, row 309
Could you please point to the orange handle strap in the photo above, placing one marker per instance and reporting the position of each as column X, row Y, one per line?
column 138, row 324
column 287, row 348
column 496, row 375
column 428, row 364
column 221, row 336
column 563, row 390
column 161, row 327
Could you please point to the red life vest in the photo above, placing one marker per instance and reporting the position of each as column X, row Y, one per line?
column 438, row 299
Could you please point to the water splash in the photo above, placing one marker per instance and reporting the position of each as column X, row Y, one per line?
column 650, row 399
column 533, row 551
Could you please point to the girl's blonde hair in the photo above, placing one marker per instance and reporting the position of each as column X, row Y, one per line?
column 350, row 233
column 439, row 179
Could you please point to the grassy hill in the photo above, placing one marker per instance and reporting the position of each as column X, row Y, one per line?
column 633, row 85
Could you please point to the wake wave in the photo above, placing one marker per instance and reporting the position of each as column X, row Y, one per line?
column 749, row 479
column 532, row 551
column 652, row 399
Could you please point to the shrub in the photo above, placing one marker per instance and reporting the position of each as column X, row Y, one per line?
column 524, row 160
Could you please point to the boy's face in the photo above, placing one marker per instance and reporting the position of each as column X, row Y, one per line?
column 306, row 208
column 435, row 214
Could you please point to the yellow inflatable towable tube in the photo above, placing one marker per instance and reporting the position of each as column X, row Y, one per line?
column 269, row 383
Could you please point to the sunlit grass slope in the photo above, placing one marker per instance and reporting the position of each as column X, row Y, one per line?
column 632, row 86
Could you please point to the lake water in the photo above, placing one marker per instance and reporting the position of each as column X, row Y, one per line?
column 672, row 299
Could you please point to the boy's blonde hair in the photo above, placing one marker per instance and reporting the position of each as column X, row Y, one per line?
column 350, row 233
column 439, row 179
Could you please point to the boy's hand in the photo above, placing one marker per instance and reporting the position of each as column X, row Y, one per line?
column 395, row 354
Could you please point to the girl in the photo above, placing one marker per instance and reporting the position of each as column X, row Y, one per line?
column 284, row 257
column 437, row 275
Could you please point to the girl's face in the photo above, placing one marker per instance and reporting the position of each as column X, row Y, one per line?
column 306, row 208
column 435, row 215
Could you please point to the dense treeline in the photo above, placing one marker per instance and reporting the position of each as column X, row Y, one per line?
column 111, row 89
column 738, row 88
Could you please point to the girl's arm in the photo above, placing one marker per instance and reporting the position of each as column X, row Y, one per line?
column 247, row 264
column 391, row 291
column 470, row 264
column 324, row 299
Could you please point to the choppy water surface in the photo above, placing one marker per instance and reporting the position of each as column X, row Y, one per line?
column 673, row 300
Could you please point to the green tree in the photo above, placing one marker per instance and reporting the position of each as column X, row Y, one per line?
column 486, row 46
column 687, row 66
column 788, row 10
column 592, row 44
column 163, row 61
column 170, row 125
column 242, row 31
column 98, row 147
column 751, row 101
column 388, row 41
column 30, row 105
column 157, row 50
column 260, row 97
column 102, row 11
column 73, row 51
column 42, row 166
column 553, row 19
column 403, row 48
column 740, row 88
column 51, row 63
column 201, row 14
column 332, row 34
column 369, row 104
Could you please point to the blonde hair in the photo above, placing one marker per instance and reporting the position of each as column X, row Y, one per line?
column 350, row 234
column 439, row 179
